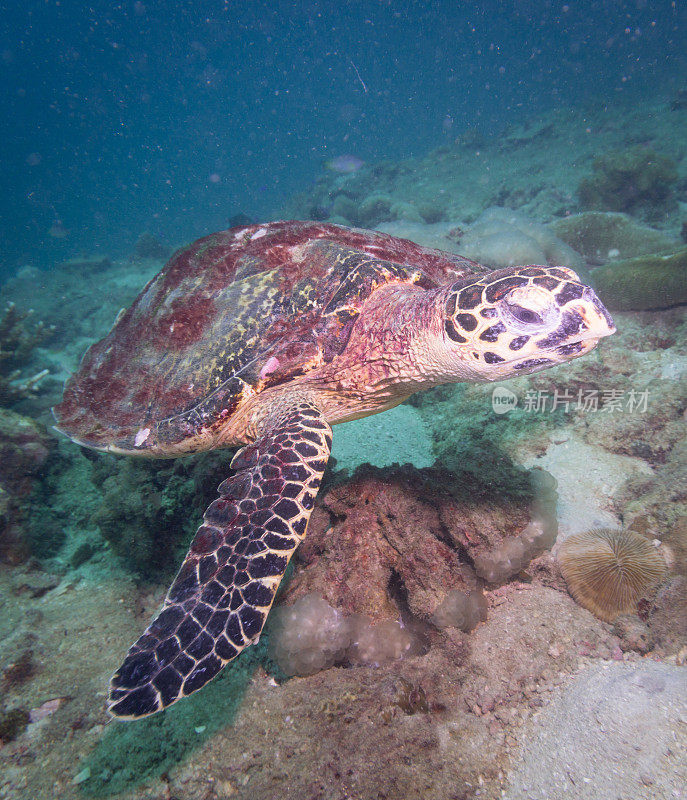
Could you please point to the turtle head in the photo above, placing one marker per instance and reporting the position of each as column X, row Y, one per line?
column 520, row 320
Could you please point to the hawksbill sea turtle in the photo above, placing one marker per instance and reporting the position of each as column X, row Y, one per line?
column 263, row 336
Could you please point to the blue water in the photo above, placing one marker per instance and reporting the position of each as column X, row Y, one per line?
column 173, row 116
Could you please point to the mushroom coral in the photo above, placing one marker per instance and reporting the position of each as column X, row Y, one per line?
column 608, row 571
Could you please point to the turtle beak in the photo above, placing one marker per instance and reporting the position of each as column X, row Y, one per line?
column 597, row 321
column 583, row 322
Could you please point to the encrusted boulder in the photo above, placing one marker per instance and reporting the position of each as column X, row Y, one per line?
column 389, row 542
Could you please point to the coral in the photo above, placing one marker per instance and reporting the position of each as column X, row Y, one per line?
column 624, row 180
column 461, row 610
column 409, row 698
column 515, row 554
column 645, row 282
column 602, row 236
column 405, row 211
column 310, row 636
column 391, row 544
column 432, row 211
column 650, row 434
column 375, row 208
column 17, row 341
column 19, row 671
column 147, row 246
column 132, row 518
column 344, row 207
column 501, row 237
column 609, row 571
column 12, row 724
column 145, row 513
column 376, row 644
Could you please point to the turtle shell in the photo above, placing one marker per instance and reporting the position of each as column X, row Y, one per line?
column 230, row 315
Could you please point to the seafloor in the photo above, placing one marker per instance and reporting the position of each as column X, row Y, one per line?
column 541, row 699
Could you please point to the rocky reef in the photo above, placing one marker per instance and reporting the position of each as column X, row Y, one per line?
column 18, row 339
column 425, row 621
column 24, row 449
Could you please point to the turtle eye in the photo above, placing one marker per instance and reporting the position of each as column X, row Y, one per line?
column 529, row 308
column 525, row 315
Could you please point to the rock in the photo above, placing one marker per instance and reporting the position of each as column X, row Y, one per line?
column 668, row 616
column 587, row 476
column 85, row 264
column 507, row 247
column 633, row 633
column 621, row 714
column 434, row 235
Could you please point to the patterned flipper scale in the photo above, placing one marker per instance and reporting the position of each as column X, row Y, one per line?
column 222, row 594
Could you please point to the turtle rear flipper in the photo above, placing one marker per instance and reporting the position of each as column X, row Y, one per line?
column 222, row 594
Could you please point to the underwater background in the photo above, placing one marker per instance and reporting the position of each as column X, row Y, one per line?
column 439, row 634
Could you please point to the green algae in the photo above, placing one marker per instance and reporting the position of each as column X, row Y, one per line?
column 12, row 724
column 645, row 282
column 130, row 753
column 601, row 235
column 472, row 442
column 60, row 501
column 151, row 509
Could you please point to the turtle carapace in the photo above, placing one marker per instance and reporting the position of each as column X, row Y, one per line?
column 264, row 336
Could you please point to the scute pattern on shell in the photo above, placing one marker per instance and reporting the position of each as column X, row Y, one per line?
column 282, row 296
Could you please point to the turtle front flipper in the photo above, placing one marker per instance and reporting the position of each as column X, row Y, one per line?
column 222, row 594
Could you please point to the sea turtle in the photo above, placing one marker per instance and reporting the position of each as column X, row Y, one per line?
column 264, row 336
